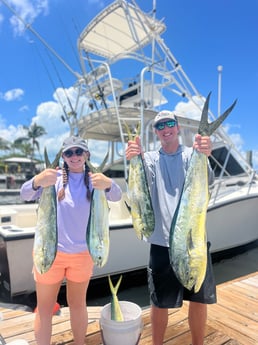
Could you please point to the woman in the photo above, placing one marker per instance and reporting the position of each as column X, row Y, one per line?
column 73, row 262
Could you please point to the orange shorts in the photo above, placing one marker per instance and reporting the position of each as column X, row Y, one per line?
column 74, row 267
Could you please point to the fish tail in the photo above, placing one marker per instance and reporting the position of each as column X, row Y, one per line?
column 113, row 288
column 130, row 134
column 56, row 160
column 100, row 168
column 206, row 128
column 46, row 158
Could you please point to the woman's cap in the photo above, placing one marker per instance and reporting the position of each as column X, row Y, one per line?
column 164, row 115
column 74, row 141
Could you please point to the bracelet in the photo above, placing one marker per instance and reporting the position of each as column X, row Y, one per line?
column 33, row 186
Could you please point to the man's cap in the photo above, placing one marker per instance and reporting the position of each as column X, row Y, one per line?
column 74, row 141
column 164, row 115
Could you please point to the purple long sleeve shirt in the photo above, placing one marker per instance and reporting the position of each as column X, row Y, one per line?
column 73, row 211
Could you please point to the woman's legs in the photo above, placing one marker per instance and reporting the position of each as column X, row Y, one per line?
column 76, row 299
column 46, row 299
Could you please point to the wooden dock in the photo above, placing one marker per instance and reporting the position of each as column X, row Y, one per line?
column 233, row 320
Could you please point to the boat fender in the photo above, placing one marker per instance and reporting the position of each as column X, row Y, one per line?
column 56, row 309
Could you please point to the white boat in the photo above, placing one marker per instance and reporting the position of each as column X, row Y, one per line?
column 122, row 35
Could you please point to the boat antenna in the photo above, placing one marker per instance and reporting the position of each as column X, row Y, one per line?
column 30, row 28
column 219, row 68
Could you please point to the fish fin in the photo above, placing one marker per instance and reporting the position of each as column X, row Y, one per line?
column 206, row 128
column 113, row 288
column 190, row 240
column 129, row 208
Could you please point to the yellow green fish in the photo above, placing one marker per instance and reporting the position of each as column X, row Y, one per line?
column 139, row 195
column 97, row 235
column 45, row 240
column 188, row 244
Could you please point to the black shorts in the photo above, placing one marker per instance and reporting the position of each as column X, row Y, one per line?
column 165, row 289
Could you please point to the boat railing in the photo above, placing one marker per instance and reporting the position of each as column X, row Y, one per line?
column 223, row 186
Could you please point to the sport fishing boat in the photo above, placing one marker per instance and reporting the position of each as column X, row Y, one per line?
column 123, row 35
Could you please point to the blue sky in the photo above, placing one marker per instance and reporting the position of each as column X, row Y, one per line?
column 201, row 35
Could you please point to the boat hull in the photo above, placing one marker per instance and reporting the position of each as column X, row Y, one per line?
column 233, row 223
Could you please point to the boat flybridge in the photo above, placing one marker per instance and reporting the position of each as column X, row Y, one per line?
column 128, row 75
column 122, row 39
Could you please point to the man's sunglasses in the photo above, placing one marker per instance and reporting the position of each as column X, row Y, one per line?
column 161, row 125
column 77, row 152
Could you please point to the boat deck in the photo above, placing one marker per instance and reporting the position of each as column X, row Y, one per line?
column 233, row 320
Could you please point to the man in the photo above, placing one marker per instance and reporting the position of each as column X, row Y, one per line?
column 166, row 170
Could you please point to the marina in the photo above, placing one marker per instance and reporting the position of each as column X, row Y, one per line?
column 232, row 321
column 123, row 34
column 109, row 104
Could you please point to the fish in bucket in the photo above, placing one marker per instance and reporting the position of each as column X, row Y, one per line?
column 120, row 321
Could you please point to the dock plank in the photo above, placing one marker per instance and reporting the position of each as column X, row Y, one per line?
column 233, row 320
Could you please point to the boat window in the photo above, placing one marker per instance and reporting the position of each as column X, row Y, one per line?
column 217, row 160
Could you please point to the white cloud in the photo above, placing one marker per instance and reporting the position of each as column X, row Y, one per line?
column 24, row 108
column 28, row 11
column 11, row 132
column 12, row 95
column 190, row 108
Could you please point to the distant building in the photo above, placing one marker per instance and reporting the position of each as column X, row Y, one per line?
column 15, row 171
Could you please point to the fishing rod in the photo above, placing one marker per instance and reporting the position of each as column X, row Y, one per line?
column 64, row 117
column 41, row 39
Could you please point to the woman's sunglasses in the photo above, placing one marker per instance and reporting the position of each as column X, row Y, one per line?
column 161, row 125
column 70, row 153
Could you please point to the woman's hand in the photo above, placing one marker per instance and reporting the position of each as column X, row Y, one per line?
column 100, row 181
column 46, row 178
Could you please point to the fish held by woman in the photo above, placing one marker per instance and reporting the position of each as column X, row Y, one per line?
column 45, row 241
column 97, row 235
column 188, row 244
column 139, row 195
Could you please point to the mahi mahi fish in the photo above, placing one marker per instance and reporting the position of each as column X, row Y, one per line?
column 116, row 312
column 45, row 241
column 97, row 235
column 139, row 195
column 188, row 245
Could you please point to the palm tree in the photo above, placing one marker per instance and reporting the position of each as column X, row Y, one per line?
column 33, row 132
column 4, row 144
column 23, row 146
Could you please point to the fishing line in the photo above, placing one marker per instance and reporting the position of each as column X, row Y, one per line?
column 41, row 39
column 51, row 80
column 73, row 112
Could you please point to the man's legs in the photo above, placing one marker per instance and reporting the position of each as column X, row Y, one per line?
column 159, row 321
column 197, row 317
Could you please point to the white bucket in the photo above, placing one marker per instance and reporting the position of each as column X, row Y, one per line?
column 125, row 332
